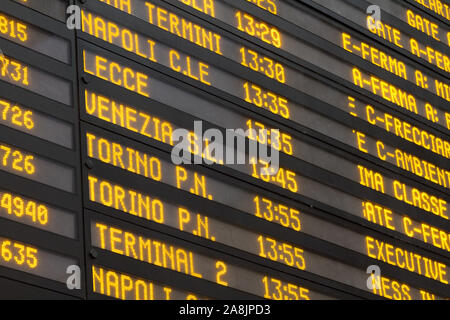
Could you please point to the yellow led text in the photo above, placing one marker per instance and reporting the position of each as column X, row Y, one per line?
column 385, row 217
column 118, row 75
column 409, row 132
column 128, row 117
column 429, row 234
column 123, row 157
column 406, row 260
column 375, row 56
column 14, row 71
column 391, row 289
column 184, row 64
column 122, row 286
column 183, row 28
column 415, row 165
column 16, row 160
column 148, row 250
column 13, row 29
column 125, row 200
column 409, row 195
column 394, row 36
column 123, row 5
column 386, row 90
column 111, row 32
column 18, row 254
column 437, row 6
column 195, row 183
column 205, row 6
column 423, row 24
column 22, row 208
column 16, row 115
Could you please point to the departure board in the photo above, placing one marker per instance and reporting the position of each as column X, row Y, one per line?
column 225, row 150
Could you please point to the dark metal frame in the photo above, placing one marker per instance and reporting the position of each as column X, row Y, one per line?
column 186, row 121
column 320, row 107
column 431, row 13
column 81, row 248
column 244, row 220
column 337, row 181
column 67, row 201
column 340, row 53
column 200, row 246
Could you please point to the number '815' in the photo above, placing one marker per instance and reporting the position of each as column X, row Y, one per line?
column 13, row 29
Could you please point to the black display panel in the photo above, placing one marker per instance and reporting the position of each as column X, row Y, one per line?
column 186, row 261
column 440, row 8
column 170, row 22
column 30, row 259
column 403, row 40
column 40, row 197
column 55, row 9
column 135, row 202
column 21, row 74
column 123, row 286
column 37, row 214
column 418, row 20
column 31, row 37
column 35, row 123
column 22, row 163
column 355, row 112
column 103, row 107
